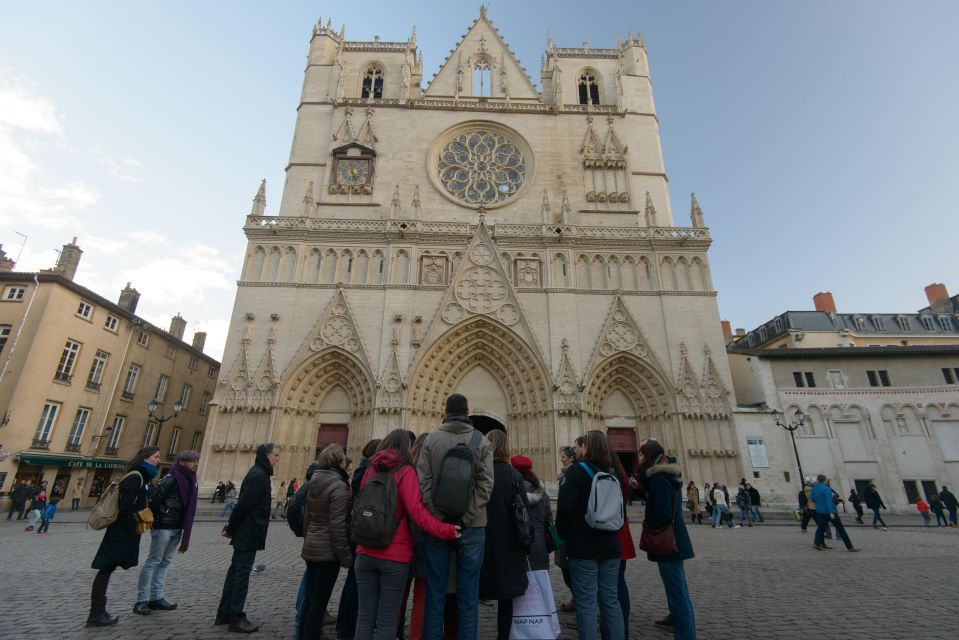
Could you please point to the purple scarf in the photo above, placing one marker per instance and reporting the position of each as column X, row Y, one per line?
column 186, row 482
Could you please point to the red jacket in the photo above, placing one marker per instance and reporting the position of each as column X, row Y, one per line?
column 409, row 503
column 922, row 506
column 626, row 546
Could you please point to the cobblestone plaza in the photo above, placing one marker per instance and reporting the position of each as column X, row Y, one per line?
column 764, row 582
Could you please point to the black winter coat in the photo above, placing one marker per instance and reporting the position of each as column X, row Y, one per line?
column 503, row 576
column 664, row 504
column 872, row 499
column 582, row 541
column 948, row 500
column 166, row 503
column 539, row 512
column 251, row 516
column 120, row 546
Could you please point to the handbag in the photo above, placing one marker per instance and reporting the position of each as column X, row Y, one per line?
column 662, row 541
column 534, row 612
column 553, row 541
column 144, row 520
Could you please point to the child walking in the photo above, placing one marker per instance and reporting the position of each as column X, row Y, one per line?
column 48, row 512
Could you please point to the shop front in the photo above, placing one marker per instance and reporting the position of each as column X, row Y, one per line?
column 63, row 473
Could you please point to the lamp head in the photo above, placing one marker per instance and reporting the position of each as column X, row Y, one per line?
column 777, row 415
column 800, row 417
column 152, row 406
column 177, row 408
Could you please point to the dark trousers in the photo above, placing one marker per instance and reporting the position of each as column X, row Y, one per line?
column 823, row 520
column 75, row 504
column 98, row 595
column 876, row 517
column 45, row 526
column 858, row 508
column 504, row 619
column 380, row 584
column 320, row 579
column 236, row 585
column 941, row 517
column 18, row 507
column 806, row 517
column 349, row 603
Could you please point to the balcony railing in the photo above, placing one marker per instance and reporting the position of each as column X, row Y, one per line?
column 62, row 376
column 40, row 443
column 72, row 446
column 126, row 395
column 93, row 386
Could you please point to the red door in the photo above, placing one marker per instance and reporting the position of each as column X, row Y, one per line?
column 331, row 434
column 623, row 443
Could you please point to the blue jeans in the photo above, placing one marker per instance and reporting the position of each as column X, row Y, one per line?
column 300, row 597
column 757, row 514
column 152, row 581
column 622, row 592
column 227, row 508
column 677, row 597
column 877, row 518
column 469, row 560
column 597, row 580
column 718, row 511
column 941, row 517
column 954, row 516
column 745, row 513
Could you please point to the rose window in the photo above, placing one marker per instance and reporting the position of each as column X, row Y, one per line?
column 481, row 167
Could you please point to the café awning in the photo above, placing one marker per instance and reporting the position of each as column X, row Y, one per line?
column 75, row 462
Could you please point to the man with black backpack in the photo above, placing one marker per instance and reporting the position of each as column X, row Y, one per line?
column 455, row 472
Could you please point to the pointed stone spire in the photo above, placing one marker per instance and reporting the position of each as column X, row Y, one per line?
column 345, row 134
column 549, row 41
column 483, row 11
column 309, row 202
column 547, row 209
column 567, row 209
column 650, row 212
column 415, row 204
column 259, row 200
column 695, row 212
column 395, row 202
column 412, row 39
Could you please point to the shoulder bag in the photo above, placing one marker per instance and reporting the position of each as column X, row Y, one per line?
column 662, row 541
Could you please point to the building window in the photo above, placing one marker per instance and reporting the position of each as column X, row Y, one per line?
column 48, row 417
column 877, row 323
column 85, row 310
column 67, row 359
column 97, row 369
column 171, row 351
column 204, row 401
column 804, row 378
column 4, row 335
column 143, row 339
column 111, row 324
column 928, row 323
column 944, row 323
column 162, row 385
column 903, row 323
column 150, row 433
column 118, row 422
column 211, row 371
column 192, row 364
column 372, row 83
column 912, row 490
column 860, row 323
column 951, row 375
column 482, row 79
column 174, row 440
column 130, row 385
column 879, row 378
column 588, row 88
column 195, row 445
column 14, row 293
column 185, row 396
column 76, row 431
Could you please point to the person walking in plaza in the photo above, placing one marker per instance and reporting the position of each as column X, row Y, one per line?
column 826, row 514
column 246, row 530
column 951, row 504
column 807, row 506
column 754, row 501
column 76, row 492
column 661, row 484
column 173, row 504
column 120, row 546
column 720, row 506
column 923, row 508
column 326, row 540
column 229, row 499
column 38, row 502
column 18, row 500
column 593, row 554
column 744, row 502
column 382, row 571
column 455, row 470
column 49, row 512
column 935, row 505
column 503, row 576
column 874, row 503
column 280, row 502
column 693, row 504
column 856, row 503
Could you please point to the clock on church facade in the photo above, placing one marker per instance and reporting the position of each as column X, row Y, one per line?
column 352, row 169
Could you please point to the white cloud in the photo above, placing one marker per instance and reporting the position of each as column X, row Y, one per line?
column 122, row 169
column 183, row 276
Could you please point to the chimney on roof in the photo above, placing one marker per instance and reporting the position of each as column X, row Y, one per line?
column 824, row 302
column 129, row 298
column 69, row 260
column 740, row 333
column 177, row 326
column 6, row 264
column 727, row 329
column 938, row 297
column 199, row 340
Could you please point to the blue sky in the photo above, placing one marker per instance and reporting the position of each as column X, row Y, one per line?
column 819, row 136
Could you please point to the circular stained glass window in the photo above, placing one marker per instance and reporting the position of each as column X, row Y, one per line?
column 481, row 167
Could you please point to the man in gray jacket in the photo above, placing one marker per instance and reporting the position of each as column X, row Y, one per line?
column 456, row 430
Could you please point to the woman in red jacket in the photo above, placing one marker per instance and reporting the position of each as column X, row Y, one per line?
column 381, row 574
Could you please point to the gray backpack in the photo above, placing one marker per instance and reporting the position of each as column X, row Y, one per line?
column 604, row 509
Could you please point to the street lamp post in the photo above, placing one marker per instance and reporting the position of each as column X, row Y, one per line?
column 151, row 409
column 791, row 427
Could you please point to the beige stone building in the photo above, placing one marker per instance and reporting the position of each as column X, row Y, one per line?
column 78, row 374
column 477, row 233
column 879, row 393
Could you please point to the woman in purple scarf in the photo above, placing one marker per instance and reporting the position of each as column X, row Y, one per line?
column 174, row 505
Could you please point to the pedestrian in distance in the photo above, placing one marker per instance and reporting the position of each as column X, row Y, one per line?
column 38, row 502
column 218, row 492
column 229, row 499
column 935, row 505
column 826, row 514
column 120, row 546
column 856, row 503
column 76, row 492
column 708, row 500
column 504, row 573
column 49, row 512
column 754, row 501
column 720, row 507
column 807, row 506
column 692, row 502
column 455, row 470
column 951, row 504
column 18, row 500
column 744, row 502
column 173, row 504
column 389, row 497
column 246, row 530
column 874, row 503
column 923, row 508
column 593, row 549
column 280, row 501
column 661, row 484
column 326, row 543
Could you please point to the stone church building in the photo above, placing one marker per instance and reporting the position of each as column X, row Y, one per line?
column 474, row 233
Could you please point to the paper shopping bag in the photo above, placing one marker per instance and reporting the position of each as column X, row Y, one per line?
column 534, row 612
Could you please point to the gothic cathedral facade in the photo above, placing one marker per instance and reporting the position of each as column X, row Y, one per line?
column 480, row 235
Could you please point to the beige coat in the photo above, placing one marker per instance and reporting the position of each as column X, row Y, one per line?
column 692, row 495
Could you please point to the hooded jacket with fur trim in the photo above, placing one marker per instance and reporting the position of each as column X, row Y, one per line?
column 664, row 504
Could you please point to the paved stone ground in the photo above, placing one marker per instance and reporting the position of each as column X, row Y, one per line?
column 764, row 582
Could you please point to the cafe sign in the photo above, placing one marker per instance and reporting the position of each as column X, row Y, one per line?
column 41, row 460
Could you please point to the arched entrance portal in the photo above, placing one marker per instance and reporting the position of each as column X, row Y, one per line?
column 503, row 379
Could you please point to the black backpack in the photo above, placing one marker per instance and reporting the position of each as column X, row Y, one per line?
column 521, row 517
column 295, row 508
column 374, row 520
column 453, row 484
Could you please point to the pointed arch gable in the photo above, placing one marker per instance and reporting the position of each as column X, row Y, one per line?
column 639, row 380
column 308, row 385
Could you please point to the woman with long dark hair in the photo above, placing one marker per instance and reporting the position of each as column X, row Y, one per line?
column 661, row 484
column 120, row 546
